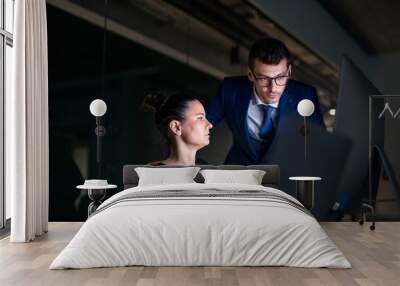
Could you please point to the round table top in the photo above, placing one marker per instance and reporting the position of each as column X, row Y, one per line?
column 305, row 178
column 88, row 187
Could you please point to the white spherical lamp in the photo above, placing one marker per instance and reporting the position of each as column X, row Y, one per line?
column 98, row 107
column 305, row 108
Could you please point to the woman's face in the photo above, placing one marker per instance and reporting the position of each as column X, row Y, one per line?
column 196, row 127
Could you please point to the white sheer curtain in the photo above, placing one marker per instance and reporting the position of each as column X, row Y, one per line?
column 27, row 171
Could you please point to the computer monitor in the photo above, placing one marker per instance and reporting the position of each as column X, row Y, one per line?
column 352, row 121
column 326, row 154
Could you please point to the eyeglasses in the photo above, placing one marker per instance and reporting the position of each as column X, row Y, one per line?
column 267, row 81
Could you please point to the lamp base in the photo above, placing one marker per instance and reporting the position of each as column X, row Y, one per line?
column 304, row 131
column 96, row 196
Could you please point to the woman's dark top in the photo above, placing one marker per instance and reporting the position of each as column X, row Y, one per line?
column 156, row 164
column 199, row 161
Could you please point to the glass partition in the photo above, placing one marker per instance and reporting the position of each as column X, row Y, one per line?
column 384, row 155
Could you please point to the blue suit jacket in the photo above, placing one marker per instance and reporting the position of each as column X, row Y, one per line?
column 232, row 102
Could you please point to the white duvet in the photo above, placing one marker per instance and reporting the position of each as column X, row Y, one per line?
column 183, row 231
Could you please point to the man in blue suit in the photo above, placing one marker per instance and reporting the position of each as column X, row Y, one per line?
column 255, row 106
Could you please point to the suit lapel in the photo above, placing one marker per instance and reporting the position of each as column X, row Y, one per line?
column 286, row 105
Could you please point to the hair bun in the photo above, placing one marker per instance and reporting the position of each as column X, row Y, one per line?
column 153, row 101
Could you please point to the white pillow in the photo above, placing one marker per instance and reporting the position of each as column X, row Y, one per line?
column 248, row 177
column 163, row 176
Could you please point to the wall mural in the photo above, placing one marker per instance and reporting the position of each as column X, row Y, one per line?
column 155, row 102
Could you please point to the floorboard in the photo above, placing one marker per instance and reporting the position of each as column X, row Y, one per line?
column 374, row 255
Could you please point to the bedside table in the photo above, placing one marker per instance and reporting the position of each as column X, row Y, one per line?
column 305, row 190
column 96, row 194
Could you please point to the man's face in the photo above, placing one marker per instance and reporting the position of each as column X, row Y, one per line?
column 269, row 80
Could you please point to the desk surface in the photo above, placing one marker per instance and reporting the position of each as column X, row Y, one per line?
column 305, row 178
column 86, row 187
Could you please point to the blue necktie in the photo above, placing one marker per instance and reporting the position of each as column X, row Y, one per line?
column 267, row 128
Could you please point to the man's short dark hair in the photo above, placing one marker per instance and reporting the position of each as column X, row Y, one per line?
column 269, row 51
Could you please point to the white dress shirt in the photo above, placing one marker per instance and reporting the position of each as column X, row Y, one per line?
column 255, row 116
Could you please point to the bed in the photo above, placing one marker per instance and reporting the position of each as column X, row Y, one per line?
column 201, row 224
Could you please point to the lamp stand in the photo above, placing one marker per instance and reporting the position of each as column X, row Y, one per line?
column 305, row 138
column 100, row 131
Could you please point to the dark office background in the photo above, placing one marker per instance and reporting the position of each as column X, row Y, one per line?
column 75, row 48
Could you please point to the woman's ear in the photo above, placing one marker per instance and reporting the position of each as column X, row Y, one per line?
column 175, row 127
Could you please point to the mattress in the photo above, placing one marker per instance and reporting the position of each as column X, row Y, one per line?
column 201, row 225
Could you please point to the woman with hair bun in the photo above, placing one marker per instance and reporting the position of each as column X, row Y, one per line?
column 182, row 121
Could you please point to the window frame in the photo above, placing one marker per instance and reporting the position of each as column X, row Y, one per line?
column 6, row 39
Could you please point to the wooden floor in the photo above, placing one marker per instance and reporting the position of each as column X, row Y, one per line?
column 375, row 257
